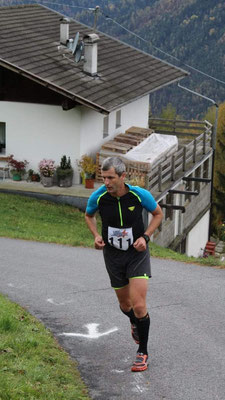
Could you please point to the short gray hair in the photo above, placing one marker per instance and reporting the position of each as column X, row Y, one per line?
column 115, row 162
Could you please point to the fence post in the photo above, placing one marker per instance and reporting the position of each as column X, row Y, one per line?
column 173, row 167
column 160, row 178
column 147, row 179
column 174, row 127
column 194, row 151
column 184, row 158
column 204, row 143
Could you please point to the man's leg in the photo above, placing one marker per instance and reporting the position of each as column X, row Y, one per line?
column 132, row 300
column 125, row 303
column 138, row 291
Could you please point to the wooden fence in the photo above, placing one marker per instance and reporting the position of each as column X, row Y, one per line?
column 194, row 143
column 180, row 128
column 187, row 155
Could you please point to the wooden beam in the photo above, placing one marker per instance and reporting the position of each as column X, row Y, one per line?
column 173, row 206
column 196, row 179
column 187, row 192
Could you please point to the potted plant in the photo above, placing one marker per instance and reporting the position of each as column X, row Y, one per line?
column 88, row 167
column 33, row 176
column 64, row 172
column 18, row 168
column 47, row 170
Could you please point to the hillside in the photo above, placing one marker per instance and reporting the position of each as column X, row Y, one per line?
column 192, row 31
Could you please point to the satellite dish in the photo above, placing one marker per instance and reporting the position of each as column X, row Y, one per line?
column 78, row 51
column 75, row 42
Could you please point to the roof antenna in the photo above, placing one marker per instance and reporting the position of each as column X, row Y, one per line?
column 96, row 12
column 77, row 47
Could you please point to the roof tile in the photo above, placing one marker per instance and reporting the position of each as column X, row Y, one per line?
column 29, row 40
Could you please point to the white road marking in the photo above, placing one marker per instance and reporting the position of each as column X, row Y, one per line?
column 92, row 332
column 14, row 286
column 118, row 371
column 51, row 301
column 139, row 384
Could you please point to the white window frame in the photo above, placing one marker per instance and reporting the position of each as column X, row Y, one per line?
column 105, row 126
column 118, row 118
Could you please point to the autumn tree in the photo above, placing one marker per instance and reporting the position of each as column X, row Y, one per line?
column 219, row 171
column 219, row 167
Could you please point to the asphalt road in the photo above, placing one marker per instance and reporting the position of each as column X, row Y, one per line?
column 68, row 290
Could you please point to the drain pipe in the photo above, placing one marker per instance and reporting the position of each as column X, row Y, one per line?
column 213, row 148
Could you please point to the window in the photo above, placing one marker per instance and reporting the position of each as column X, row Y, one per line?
column 105, row 126
column 2, row 137
column 118, row 118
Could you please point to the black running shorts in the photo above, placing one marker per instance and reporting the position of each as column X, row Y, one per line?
column 123, row 265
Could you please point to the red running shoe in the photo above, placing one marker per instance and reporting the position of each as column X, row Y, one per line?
column 140, row 364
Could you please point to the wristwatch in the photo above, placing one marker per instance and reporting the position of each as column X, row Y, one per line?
column 146, row 237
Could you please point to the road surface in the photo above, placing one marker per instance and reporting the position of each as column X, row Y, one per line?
column 67, row 288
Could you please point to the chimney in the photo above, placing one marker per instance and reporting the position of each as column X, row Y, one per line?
column 64, row 30
column 90, row 53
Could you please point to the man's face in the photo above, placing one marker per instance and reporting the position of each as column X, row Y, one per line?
column 113, row 182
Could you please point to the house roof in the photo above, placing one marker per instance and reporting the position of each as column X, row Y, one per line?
column 29, row 40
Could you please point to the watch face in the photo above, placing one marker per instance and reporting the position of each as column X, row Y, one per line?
column 147, row 238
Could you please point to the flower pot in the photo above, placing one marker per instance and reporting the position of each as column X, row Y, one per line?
column 65, row 181
column 16, row 177
column 47, row 181
column 89, row 183
column 35, row 178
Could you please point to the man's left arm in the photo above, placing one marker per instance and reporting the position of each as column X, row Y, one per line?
column 157, row 215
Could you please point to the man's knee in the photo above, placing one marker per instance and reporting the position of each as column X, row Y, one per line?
column 140, row 308
column 125, row 305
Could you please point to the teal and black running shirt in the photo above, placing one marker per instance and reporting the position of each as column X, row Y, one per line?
column 122, row 221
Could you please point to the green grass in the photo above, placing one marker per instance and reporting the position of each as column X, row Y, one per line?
column 31, row 219
column 32, row 365
column 162, row 252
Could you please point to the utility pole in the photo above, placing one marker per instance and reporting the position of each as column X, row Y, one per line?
column 96, row 12
column 213, row 148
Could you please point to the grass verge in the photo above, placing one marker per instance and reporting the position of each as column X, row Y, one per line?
column 32, row 365
column 31, row 219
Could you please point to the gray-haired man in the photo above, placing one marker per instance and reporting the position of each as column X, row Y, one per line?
column 124, row 243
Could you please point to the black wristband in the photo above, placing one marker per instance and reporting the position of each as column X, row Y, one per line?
column 146, row 237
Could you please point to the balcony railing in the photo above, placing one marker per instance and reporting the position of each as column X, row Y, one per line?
column 194, row 138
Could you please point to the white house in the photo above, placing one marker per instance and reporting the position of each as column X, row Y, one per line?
column 51, row 105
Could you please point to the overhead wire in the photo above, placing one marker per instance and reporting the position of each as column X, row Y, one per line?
column 163, row 52
column 137, row 36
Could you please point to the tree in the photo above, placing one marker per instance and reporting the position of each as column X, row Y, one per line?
column 219, row 171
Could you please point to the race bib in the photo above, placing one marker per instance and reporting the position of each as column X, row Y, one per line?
column 122, row 239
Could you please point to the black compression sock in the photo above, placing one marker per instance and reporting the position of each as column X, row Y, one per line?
column 130, row 314
column 143, row 325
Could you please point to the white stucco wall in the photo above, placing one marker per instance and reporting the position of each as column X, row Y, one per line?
column 35, row 131
column 198, row 237
column 133, row 114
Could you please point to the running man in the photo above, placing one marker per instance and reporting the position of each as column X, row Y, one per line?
column 124, row 242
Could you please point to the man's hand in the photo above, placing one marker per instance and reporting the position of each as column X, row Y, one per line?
column 140, row 244
column 99, row 243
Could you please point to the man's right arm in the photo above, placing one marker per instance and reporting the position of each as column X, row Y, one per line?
column 92, row 225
